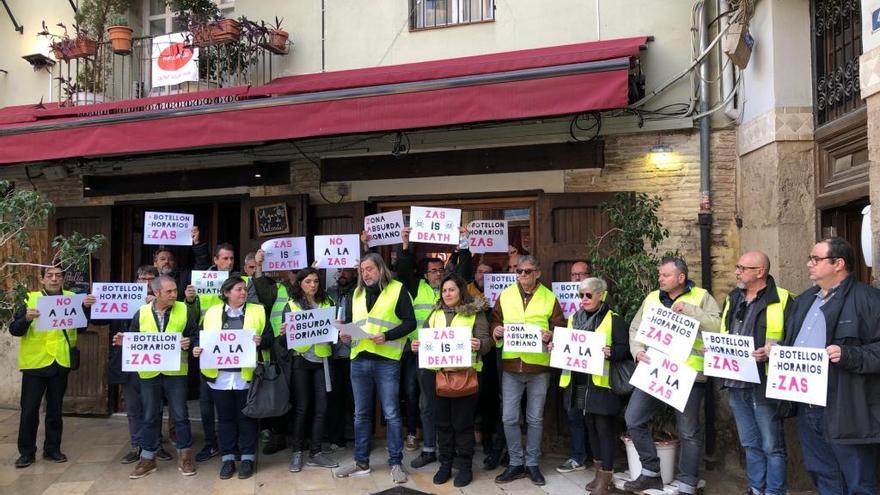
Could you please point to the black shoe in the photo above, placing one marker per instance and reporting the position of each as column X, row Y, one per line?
column 132, row 456
column 163, row 454
column 443, row 474
column 423, row 460
column 227, row 469
column 464, row 477
column 207, row 452
column 491, row 461
column 55, row 456
column 510, row 474
column 24, row 461
column 246, row 470
column 276, row 444
column 505, row 459
column 643, row 483
column 534, row 474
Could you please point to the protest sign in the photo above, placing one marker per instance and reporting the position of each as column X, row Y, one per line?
column 151, row 351
column 798, row 374
column 730, row 356
column 667, row 331
column 522, row 337
column 223, row 349
column 208, row 282
column 284, row 254
column 434, row 225
column 314, row 326
column 569, row 296
column 117, row 301
column 444, row 347
column 173, row 229
column 578, row 350
column 58, row 312
column 494, row 284
column 384, row 229
column 665, row 379
column 337, row 251
column 488, row 236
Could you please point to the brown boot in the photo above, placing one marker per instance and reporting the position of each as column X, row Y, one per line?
column 185, row 462
column 602, row 486
column 598, row 467
column 143, row 468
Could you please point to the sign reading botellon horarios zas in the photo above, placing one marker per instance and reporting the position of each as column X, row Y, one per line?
column 434, row 225
column 666, row 379
column 310, row 327
column 151, row 351
column 522, row 337
column 488, row 236
column 223, row 349
column 173, row 229
column 798, row 374
column 578, row 350
column 569, row 296
column 384, row 229
column 444, row 347
column 730, row 356
column 337, row 251
column 667, row 331
column 116, row 301
column 284, row 254
column 61, row 312
column 494, row 284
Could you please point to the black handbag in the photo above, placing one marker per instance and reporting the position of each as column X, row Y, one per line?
column 268, row 394
column 74, row 353
column 620, row 374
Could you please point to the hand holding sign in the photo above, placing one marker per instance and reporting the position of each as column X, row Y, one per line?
column 384, row 229
column 578, row 350
column 798, row 374
column 665, row 379
column 61, row 312
column 730, row 356
column 522, row 337
column 150, row 351
column 316, row 326
column 224, row 349
column 667, row 331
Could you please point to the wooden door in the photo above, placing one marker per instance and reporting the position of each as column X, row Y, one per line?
column 87, row 387
column 341, row 218
column 297, row 215
column 846, row 221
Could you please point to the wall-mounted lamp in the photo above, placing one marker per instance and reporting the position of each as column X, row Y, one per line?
column 39, row 61
column 662, row 157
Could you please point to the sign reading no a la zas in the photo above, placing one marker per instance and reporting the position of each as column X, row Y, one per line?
column 444, row 347
column 667, row 331
column 798, row 374
column 578, row 350
column 337, row 251
column 665, row 379
column 170, row 229
column 151, row 351
column 61, row 312
column 224, row 349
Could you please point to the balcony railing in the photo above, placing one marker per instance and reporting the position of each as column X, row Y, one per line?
column 112, row 77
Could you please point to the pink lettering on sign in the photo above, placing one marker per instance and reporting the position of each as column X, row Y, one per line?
column 63, row 301
column 335, row 241
column 670, row 365
column 227, row 337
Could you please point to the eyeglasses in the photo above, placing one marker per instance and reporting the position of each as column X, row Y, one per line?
column 814, row 260
column 527, row 271
column 578, row 274
column 435, row 270
column 742, row 268
column 586, row 295
column 146, row 279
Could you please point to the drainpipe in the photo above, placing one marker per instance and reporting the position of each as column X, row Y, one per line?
column 323, row 36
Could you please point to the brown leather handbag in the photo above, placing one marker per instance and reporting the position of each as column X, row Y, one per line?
column 456, row 383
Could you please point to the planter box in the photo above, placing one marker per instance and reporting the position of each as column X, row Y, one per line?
column 217, row 33
column 277, row 42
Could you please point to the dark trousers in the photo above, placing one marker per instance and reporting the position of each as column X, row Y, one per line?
column 134, row 407
column 409, row 380
column 500, row 442
column 340, row 403
column 600, row 431
column 454, row 423
column 52, row 383
column 206, row 408
column 233, row 427
column 308, row 391
column 489, row 405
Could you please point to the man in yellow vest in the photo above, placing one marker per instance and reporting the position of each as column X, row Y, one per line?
column 682, row 296
column 165, row 315
column 381, row 307
column 757, row 308
column 530, row 302
column 44, row 362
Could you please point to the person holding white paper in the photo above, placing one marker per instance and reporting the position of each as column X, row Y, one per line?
column 44, row 361
column 591, row 395
column 308, row 388
column 757, row 308
column 229, row 387
column 681, row 295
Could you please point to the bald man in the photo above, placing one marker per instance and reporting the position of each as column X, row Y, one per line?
column 758, row 308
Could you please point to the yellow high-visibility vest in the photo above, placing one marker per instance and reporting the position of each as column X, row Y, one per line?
column 176, row 324
column 775, row 316
column 254, row 321
column 598, row 380
column 40, row 349
column 380, row 318
column 423, row 304
column 537, row 313
column 437, row 319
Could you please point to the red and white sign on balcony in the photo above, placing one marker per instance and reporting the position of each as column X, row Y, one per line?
column 175, row 60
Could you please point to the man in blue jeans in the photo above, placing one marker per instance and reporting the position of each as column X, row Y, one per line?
column 682, row 296
column 757, row 308
column 382, row 308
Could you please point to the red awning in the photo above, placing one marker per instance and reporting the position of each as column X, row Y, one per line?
column 506, row 86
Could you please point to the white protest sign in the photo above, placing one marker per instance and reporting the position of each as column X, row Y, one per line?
column 494, row 284
column 488, row 236
column 175, row 60
column 667, row 331
column 284, row 254
column 223, row 349
column 665, row 379
column 58, row 312
column 337, row 251
column 151, row 351
column 173, row 229
column 444, row 347
column 569, row 296
column 385, row 228
column 522, row 337
column 208, row 282
column 578, row 350
column 798, row 374
column 117, row 301
column 353, row 331
column 434, row 225
column 730, row 356
column 311, row 327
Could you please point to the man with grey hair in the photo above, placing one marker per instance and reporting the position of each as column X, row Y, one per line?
column 382, row 308
column 526, row 302
column 682, row 296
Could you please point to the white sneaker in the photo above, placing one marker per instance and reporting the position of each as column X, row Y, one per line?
column 353, row 471
column 398, row 475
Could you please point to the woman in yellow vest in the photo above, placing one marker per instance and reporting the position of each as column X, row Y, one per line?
column 592, row 393
column 454, row 417
column 229, row 387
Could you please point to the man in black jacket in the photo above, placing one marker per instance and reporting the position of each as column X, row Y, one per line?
column 841, row 315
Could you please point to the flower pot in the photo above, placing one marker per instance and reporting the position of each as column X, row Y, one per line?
column 83, row 47
column 277, row 42
column 120, row 39
column 217, row 33
column 666, row 453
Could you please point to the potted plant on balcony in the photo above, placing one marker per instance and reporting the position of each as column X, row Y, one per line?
column 205, row 21
column 63, row 46
column 120, row 35
column 275, row 38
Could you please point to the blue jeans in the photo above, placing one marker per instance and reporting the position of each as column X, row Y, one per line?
column 513, row 386
column 234, row 427
column 761, row 435
column 384, row 376
column 638, row 422
column 134, row 407
column 426, row 407
column 153, row 390
column 848, row 470
column 577, row 449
